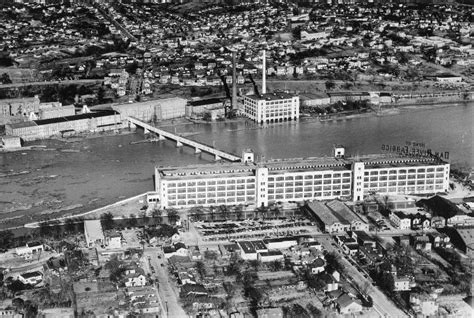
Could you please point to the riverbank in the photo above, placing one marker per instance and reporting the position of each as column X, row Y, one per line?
column 70, row 178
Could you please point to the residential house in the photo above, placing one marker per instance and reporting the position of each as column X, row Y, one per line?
column 270, row 313
column 30, row 249
column 402, row 284
column 134, row 277
column 347, row 305
column 421, row 242
column 31, row 278
column 317, row 266
column 401, row 220
column 440, row 240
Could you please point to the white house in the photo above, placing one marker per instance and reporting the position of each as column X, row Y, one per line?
column 32, row 278
column 134, row 278
column 30, row 248
column 401, row 284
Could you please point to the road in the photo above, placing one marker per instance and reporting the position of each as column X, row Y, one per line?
column 65, row 82
column 382, row 304
column 167, row 294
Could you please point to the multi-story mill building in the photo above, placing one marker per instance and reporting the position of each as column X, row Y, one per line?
column 271, row 107
column 305, row 179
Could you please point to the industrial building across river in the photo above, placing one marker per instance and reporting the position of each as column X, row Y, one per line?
column 301, row 179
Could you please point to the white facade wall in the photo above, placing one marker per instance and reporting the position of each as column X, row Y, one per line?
column 268, row 186
column 271, row 110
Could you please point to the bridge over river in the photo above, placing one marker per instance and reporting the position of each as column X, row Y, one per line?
column 180, row 141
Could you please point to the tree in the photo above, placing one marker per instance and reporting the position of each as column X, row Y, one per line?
column 44, row 229
column 173, row 216
column 275, row 266
column 201, row 269
column 6, row 239
column 207, row 116
column 314, row 311
column 329, row 85
column 70, row 225
column 132, row 221
column 107, row 220
column 255, row 264
column 5, row 79
column 239, row 210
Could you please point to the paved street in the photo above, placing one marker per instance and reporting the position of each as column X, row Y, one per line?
column 166, row 291
column 382, row 304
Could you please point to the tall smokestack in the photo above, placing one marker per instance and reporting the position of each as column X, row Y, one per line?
column 264, row 74
column 234, row 82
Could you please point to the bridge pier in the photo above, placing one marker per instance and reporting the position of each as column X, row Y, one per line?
column 179, row 144
column 217, row 158
column 197, row 150
column 160, row 137
column 132, row 125
column 145, row 131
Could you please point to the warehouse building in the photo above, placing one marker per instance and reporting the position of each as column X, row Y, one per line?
column 302, row 179
column 64, row 126
column 159, row 109
column 271, row 107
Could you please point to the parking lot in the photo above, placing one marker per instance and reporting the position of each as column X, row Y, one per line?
column 217, row 231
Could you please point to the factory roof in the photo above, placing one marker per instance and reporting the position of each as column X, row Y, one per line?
column 271, row 96
column 324, row 213
column 247, row 247
column 93, row 229
column 202, row 102
column 343, row 212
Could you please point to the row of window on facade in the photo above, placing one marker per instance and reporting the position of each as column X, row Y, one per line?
column 403, row 171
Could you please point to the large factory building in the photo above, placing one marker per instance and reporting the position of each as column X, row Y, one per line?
column 303, row 179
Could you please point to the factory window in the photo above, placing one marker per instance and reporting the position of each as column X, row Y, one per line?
column 317, row 176
column 384, row 172
column 327, row 176
column 336, row 175
column 181, row 184
column 289, row 178
column 440, row 169
column 191, row 184
column 346, row 174
column 211, row 182
column 201, row 183
column 327, row 181
column 288, row 196
column 171, row 185
column 430, row 170
column 308, row 183
column 308, row 176
column 221, row 182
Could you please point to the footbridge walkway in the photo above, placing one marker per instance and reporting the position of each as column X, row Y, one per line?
column 180, row 141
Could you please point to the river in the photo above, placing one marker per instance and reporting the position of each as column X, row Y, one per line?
column 94, row 172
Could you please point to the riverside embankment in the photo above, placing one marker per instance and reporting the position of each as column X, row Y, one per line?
column 68, row 178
